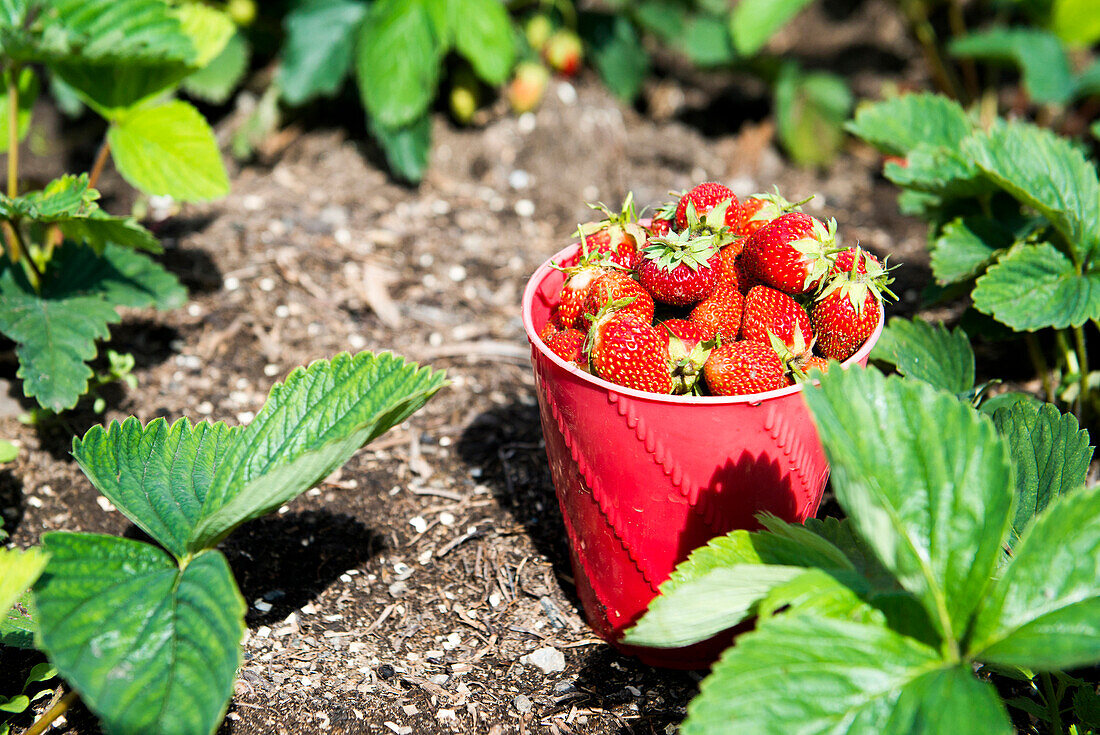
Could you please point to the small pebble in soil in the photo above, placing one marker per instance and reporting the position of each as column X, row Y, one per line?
column 386, row 671
column 567, row 93
column 519, row 179
column 547, row 659
column 105, row 504
column 525, row 208
column 232, row 284
column 522, row 703
column 398, row 589
column 264, row 607
column 439, row 679
column 526, row 122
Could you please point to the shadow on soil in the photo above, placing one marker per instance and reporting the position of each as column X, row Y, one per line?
column 12, row 507
column 287, row 560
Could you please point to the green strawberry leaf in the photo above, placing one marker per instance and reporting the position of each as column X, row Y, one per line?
column 1044, row 611
column 810, row 110
column 897, row 126
column 705, row 39
column 127, row 603
column 1076, row 22
column 117, row 53
column 407, row 148
column 928, row 352
column 319, row 48
column 215, row 82
column 805, row 673
column 73, row 207
column 1032, row 287
column 27, row 90
column 208, row 29
column 483, row 35
column 308, row 427
column 168, row 150
column 157, row 475
column 842, row 534
column 1046, row 172
column 1051, row 454
column 17, row 626
column 18, row 570
column 940, row 171
column 1036, row 52
column 966, row 246
column 56, row 330
column 617, row 53
column 753, row 22
column 397, row 64
column 936, row 513
column 817, row 593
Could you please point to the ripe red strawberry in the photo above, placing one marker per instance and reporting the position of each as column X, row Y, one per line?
column 854, row 257
column 629, row 351
column 720, row 314
column 792, row 252
column 847, row 311
column 744, row 367
column 528, row 86
column 578, row 279
column 688, row 347
column 563, row 52
column 769, row 312
column 616, row 285
column 618, row 233
column 661, row 224
column 729, row 271
column 568, row 344
column 760, row 209
column 705, row 197
column 680, row 269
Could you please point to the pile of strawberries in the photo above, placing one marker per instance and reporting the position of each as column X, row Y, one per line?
column 748, row 296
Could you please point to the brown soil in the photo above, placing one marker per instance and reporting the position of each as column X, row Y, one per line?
column 399, row 596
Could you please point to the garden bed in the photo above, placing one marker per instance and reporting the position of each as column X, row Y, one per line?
column 403, row 593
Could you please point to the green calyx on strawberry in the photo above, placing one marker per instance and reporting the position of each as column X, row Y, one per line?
column 847, row 310
column 688, row 350
column 704, row 197
column 715, row 221
column 618, row 233
column 793, row 253
column 680, row 268
column 578, row 280
column 760, row 209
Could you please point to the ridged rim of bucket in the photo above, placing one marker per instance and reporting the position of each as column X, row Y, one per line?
column 753, row 398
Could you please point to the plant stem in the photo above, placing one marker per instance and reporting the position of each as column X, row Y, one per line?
column 1083, row 366
column 1052, row 701
column 958, row 29
column 917, row 14
column 13, row 132
column 1040, row 364
column 100, row 162
column 42, row 723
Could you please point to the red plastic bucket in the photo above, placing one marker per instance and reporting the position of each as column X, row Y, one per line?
column 644, row 479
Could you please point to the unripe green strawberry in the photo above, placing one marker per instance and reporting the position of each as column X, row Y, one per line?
column 537, row 30
column 528, row 86
column 616, row 285
column 742, row 368
column 769, row 312
column 242, row 12
column 791, row 253
column 629, row 351
column 465, row 96
column 680, row 269
column 563, row 52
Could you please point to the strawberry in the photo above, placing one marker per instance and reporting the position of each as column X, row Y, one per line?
column 537, row 30
column 769, row 312
column 527, row 87
column 760, row 209
column 792, row 253
column 661, row 224
column 680, row 269
column 568, row 344
column 705, row 197
column 617, row 233
column 720, row 314
column 616, row 285
column 729, row 270
column 744, row 367
column 578, row 279
column 854, row 257
column 563, row 52
column 847, row 310
column 688, row 349
column 626, row 349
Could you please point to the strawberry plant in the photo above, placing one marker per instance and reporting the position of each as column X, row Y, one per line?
column 68, row 264
column 1014, row 215
column 149, row 635
column 964, row 562
column 18, row 571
